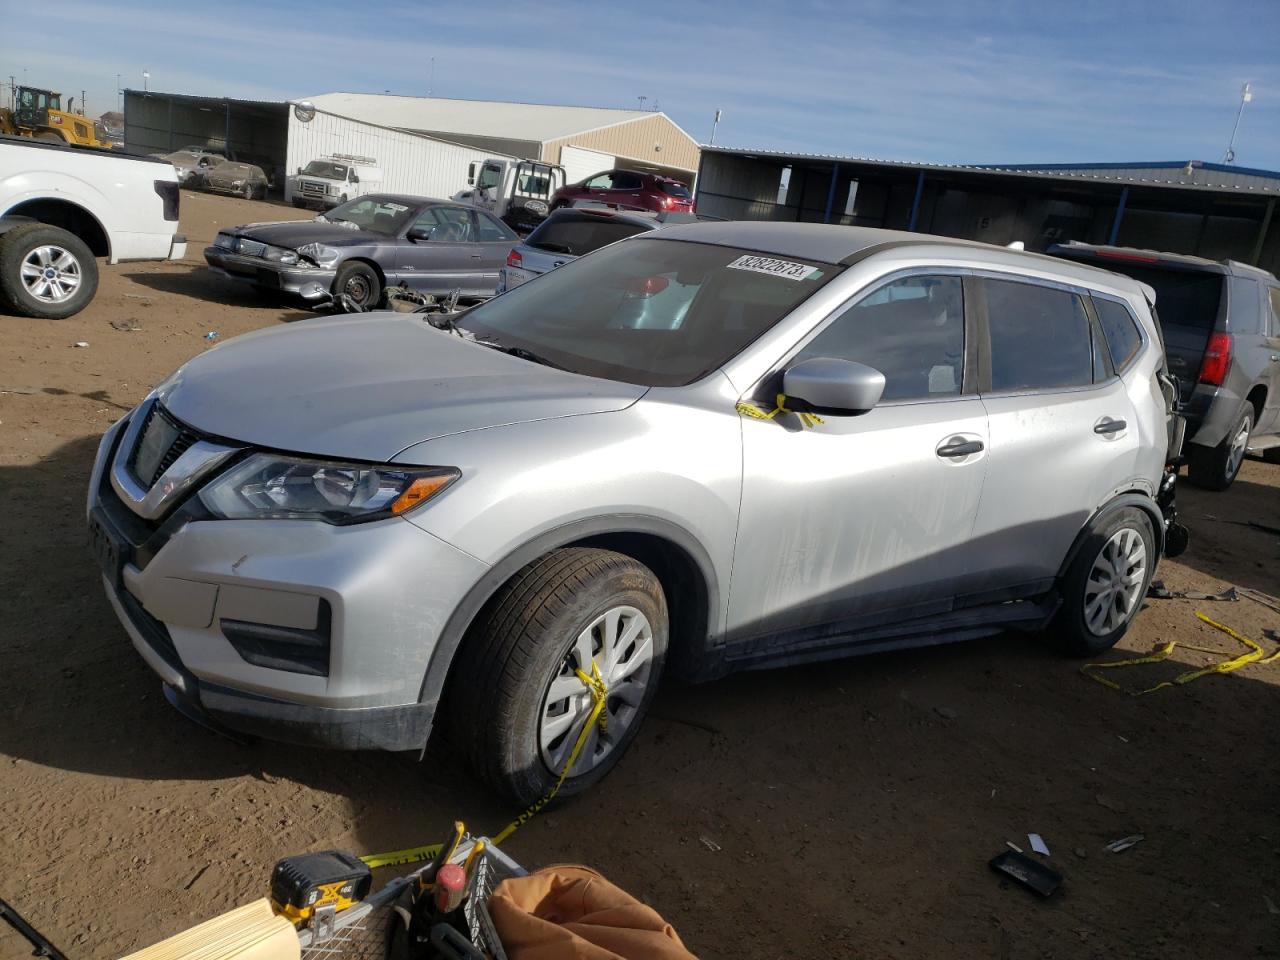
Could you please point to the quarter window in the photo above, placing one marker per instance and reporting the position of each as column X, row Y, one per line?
column 1118, row 326
column 1275, row 311
column 911, row 330
column 1040, row 337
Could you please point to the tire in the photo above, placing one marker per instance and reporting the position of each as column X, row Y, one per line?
column 500, row 692
column 49, row 136
column 247, row 191
column 1216, row 468
column 360, row 282
column 1076, row 629
column 34, row 246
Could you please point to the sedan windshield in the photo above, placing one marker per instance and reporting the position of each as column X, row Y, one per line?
column 375, row 214
column 656, row 313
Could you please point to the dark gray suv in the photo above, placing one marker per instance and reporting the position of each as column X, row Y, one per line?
column 1221, row 327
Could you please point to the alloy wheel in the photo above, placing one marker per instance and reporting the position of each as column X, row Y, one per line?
column 1114, row 588
column 620, row 643
column 1239, row 444
column 51, row 274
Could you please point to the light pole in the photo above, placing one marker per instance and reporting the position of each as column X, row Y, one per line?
column 146, row 76
column 119, row 94
column 714, row 123
column 1246, row 94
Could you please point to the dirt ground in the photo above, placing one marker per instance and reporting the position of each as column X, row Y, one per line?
column 842, row 810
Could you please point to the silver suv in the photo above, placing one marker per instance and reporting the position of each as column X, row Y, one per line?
column 700, row 449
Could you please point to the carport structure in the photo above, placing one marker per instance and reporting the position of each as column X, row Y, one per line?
column 1211, row 210
column 254, row 131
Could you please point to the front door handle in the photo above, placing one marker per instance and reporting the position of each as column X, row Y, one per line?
column 961, row 448
column 1106, row 425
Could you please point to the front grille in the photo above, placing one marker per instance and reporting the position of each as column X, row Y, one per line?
column 310, row 187
column 181, row 438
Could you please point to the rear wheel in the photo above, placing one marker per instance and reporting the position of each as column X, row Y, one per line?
column 1215, row 468
column 1106, row 583
column 359, row 283
column 517, row 706
column 46, row 272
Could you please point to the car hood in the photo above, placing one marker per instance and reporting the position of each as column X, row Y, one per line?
column 368, row 387
column 296, row 233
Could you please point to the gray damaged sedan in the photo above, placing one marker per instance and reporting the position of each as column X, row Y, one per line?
column 701, row 449
column 361, row 247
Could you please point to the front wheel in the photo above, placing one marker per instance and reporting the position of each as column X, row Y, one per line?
column 517, row 705
column 359, row 283
column 46, row 272
column 1106, row 583
column 1216, row 468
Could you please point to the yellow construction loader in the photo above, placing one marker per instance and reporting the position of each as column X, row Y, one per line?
column 39, row 114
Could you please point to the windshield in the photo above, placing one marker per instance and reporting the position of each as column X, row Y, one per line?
column 327, row 169
column 579, row 233
column 490, row 177
column 648, row 312
column 373, row 214
column 183, row 158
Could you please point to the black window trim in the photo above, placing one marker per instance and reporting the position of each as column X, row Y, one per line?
column 969, row 379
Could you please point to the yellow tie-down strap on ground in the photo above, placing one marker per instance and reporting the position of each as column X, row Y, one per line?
column 1255, row 654
column 599, row 690
column 810, row 420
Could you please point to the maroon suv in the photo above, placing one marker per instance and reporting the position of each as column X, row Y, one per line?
column 629, row 189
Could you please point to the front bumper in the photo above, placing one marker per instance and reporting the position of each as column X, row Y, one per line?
column 379, row 593
column 310, row 283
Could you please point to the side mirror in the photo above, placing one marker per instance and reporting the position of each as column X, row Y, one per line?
column 354, row 178
column 299, row 171
column 838, row 388
column 417, row 233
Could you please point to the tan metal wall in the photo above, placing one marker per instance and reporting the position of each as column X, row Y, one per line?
column 635, row 140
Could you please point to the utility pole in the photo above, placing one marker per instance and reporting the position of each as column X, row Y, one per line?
column 642, row 100
column 119, row 94
column 13, row 92
column 714, row 123
column 1246, row 94
column 431, row 83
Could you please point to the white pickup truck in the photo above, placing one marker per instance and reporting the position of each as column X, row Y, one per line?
column 62, row 206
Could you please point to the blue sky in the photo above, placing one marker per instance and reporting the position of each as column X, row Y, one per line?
column 949, row 82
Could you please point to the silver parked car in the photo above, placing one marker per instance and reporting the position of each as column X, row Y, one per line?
column 231, row 176
column 705, row 448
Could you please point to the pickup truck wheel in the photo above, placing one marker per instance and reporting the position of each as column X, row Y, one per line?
column 516, row 705
column 46, row 272
column 1215, row 468
column 1106, row 583
column 360, row 283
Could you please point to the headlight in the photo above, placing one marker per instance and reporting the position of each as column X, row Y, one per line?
column 320, row 254
column 237, row 183
column 280, row 254
column 269, row 486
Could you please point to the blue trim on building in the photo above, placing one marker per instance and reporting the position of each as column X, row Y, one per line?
column 1115, row 223
column 915, row 203
column 831, row 192
column 1155, row 165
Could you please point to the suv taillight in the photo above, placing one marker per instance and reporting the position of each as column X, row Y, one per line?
column 514, row 259
column 1217, row 358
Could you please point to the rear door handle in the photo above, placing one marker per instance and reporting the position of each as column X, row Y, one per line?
column 962, row 448
column 1106, row 425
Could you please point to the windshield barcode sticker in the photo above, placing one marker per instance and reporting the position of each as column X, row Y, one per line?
column 774, row 268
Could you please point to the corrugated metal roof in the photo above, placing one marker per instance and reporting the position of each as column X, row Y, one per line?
column 537, row 122
column 1191, row 174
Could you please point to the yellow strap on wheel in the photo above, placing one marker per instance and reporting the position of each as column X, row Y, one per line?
column 599, row 690
column 1254, row 654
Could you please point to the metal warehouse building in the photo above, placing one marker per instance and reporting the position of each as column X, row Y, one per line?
column 1208, row 209
column 423, row 145
column 584, row 140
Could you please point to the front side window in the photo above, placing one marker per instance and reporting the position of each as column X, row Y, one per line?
column 1040, row 337
column 444, row 225
column 1121, row 330
column 490, row 177
column 602, row 182
column 657, row 313
column 911, row 330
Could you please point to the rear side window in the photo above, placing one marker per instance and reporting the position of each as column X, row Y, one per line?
column 492, row 230
column 626, row 181
column 1121, row 330
column 576, row 234
column 1040, row 337
column 673, row 189
column 911, row 330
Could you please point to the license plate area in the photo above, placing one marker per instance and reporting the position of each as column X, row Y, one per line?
column 108, row 551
